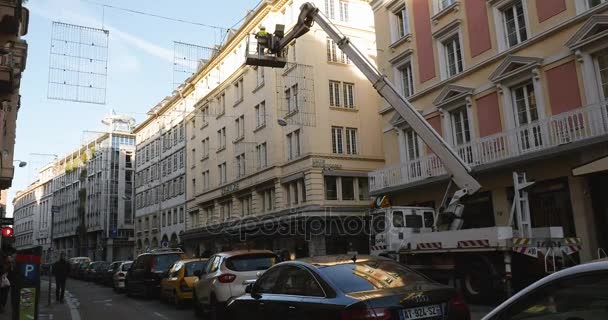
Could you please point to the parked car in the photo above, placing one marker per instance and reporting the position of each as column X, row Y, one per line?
column 579, row 292
column 81, row 270
column 176, row 286
column 226, row 276
column 118, row 279
column 108, row 273
column 99, row 272
column 345, row 287
column 146, row 272
column 90, row 273
column 75, row 264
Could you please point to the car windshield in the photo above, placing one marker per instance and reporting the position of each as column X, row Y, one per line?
column 193, row 266
column 164, row 261
column 255, row 262
column 371, row 275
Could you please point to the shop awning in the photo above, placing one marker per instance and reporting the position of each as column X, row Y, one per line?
column 597, row 165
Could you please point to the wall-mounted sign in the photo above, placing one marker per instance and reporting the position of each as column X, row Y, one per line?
column 320, row 163
column 230, row 188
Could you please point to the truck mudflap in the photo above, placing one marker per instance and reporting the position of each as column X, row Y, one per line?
column 532, row 247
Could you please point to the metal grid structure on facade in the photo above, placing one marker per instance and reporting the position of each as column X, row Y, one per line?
column 186, row 60
column 296, row 95
column 78, row 64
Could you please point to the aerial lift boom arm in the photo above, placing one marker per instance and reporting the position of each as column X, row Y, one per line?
column 455, row 166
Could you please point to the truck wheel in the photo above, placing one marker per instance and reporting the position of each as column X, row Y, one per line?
column 475, row 281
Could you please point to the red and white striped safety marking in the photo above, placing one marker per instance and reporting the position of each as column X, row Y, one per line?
column 521, row 241
column 429, row 245
column 378, row 248
column 474, row 243
column 572, row 241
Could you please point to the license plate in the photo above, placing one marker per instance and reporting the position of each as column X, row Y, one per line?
column 422, row 312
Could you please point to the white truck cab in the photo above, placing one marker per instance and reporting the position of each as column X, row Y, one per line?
column 393, row 227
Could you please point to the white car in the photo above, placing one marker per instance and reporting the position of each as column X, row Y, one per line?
column 226, row 276
column 579, row 292
column 120, row 274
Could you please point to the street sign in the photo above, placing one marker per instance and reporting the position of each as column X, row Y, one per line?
column 54, row 209
column 7, row 232
column 7, row 221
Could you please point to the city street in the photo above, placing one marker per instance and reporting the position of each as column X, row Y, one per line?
column 97, row 302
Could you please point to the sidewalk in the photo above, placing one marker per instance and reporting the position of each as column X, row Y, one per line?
column 55, row 311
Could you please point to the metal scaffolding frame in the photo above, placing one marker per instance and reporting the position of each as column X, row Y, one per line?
column 78, row 65
column 295, row 92
column 187, row 58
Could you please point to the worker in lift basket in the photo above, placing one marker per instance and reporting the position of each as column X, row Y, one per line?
column 263, row 40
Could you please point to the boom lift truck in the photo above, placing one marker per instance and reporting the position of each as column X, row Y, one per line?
column 486, row 263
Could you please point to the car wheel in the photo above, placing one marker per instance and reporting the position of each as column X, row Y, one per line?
column 475, row 282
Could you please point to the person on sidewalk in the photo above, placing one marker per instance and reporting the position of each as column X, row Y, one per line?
column 61, row 269
column 5, row 284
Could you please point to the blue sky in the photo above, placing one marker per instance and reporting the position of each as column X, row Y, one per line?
column 139, row 68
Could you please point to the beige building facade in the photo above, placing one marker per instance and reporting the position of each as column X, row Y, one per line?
column 512, row 85
column 269, row 151
column 13, row 56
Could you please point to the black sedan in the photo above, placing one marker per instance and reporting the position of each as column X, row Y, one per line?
column 341, row 288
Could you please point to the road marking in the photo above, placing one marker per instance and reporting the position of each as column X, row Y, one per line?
column 159, row 315
column 102, row 301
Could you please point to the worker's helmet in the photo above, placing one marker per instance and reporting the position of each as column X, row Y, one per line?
column 262, row 27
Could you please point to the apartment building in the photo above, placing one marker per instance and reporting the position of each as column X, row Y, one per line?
column 512, row 85
column 25, row 215
column 160, row 191
column 92, row 189
column 13, row 55
column 283, row 150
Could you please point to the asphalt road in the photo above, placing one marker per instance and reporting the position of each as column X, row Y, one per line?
column 96, row 302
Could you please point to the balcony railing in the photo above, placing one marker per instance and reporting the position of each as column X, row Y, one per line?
column 568, row 127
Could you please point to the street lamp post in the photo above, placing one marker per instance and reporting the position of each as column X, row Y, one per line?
column 54, row 210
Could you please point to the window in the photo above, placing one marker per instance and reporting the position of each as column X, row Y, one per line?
column 221, row 138
column 411, row 145
column 593, row 3
column 348, row 188
column 205, row 114
column 181, row 215
column 238, row 90
column 175, row 162
column 206, row 180
column 460, row 126
column 260, row 114
column 239, row 125
column 336, row 139
column 363, row 189
column 181, row 158
column 331, row 188
column 260, row 78
column 351, row 140
column 240, row 165
column 205, row 148
column 330, row 9
column 221, row 169
column 226, row 210
column 526, row 113
column 182, row 131
column 246, row 206
column 294, row 98
column 288, row 99
column 349, row 96
column 343, row 11
column 261, row 151
column 453, row 56
column 445, row 3
column 583, row 296
column 334, row 93
column 334, row 54
column 297, row 281
column 267, row 199
column 293, row 145
column 400, row 24
column 221, row 104
column 602, row 69
column 514, row 23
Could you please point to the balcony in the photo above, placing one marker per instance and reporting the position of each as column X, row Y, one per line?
column 536, row 138
column 12, row 63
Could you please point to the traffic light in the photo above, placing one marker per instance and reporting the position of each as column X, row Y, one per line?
column 7, row 232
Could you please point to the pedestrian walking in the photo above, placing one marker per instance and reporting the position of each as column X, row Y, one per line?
column 5, row 284
column 61, row 269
